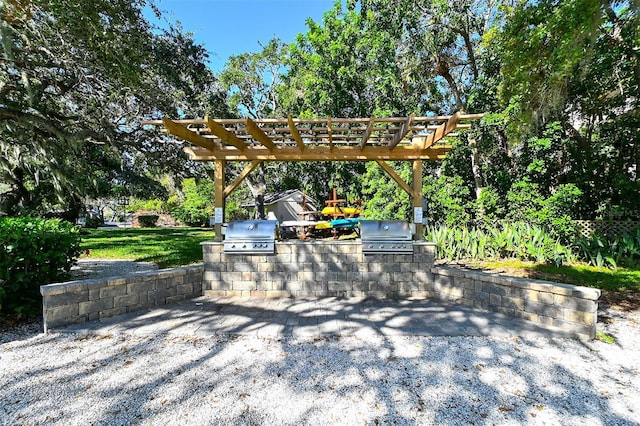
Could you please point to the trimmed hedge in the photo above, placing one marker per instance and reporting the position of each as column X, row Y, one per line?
column 148, row 220
column 33, row 252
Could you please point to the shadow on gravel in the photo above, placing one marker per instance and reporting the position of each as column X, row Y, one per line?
column 307, row 378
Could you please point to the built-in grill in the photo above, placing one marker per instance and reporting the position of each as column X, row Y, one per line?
column 251, row 237
column 385, row 236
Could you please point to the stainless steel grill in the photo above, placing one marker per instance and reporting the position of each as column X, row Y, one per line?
column 385, row 236
column 251, row 237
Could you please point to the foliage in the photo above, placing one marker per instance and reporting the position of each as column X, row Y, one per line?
column 33, row 252
column 527, row 204
column 148, row 220
column 77, row 80
column 621, row 250
column 167, row 247
column 384, row 199
column 197, row 206
column 449, row 201
column 154, row 205
column 510, row 240
column 252, row 79
column 93, row 222
column 344, row 67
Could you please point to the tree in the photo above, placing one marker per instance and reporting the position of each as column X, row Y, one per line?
column 77, row 80
column 576, row 63
column 252, row 80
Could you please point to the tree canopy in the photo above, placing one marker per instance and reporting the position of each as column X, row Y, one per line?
column 558, row 79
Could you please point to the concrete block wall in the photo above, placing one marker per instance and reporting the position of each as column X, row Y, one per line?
column 76, row 302
column 338, row 268
column 317, row 269
column 564, row 306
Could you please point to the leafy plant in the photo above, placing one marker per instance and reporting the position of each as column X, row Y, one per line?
column 33, row 252
column 509, row 240
column 604, row 337
column 599, row 250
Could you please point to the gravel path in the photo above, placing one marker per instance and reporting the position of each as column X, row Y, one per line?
column 117, row 380
column 88, row 268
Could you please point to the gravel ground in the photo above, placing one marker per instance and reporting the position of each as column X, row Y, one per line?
column 78, row 380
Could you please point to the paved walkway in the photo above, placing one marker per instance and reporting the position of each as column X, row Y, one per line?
column 314, row 317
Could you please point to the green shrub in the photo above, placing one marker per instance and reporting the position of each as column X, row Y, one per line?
column 148, row 220
column 33, row 252
column 526, row 204
column 93, row 222
column 449, row 199
column 154, row 205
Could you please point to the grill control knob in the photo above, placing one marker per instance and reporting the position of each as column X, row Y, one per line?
column 386, row 227
column 370, row 246
column 251, row 227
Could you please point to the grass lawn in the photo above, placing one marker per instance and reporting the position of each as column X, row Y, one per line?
column 167, row 247
column 620, row 279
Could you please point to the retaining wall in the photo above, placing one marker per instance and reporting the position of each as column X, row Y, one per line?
column 338, row 268
column 86, row 300
column 566, row 307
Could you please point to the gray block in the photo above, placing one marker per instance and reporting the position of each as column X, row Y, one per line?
column 126, row 300
column 64, row 299
column 110, row 292
column 95, row 305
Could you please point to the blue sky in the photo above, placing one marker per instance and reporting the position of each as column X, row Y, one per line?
column 232, row 27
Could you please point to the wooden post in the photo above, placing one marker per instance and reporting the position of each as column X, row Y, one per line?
column 219, row 197
column 417, row 195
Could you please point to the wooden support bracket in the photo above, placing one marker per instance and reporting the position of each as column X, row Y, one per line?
column 241, row 177
column 404, row 185
column 402, row 132
column 367, row 133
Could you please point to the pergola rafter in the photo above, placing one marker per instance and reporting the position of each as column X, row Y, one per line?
column 318, row 139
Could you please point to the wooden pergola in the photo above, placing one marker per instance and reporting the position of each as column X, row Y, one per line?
column 328, row 139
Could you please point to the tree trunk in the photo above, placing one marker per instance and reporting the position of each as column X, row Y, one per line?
column 475, row 167
column 258, row 186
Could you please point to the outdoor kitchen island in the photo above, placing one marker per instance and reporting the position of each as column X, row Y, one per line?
column 365, row 269
column 316, row 269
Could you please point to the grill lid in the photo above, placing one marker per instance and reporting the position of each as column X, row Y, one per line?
column 385, row 230
column 251, row 230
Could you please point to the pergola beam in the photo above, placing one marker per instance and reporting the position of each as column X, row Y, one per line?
column 337, row 153
column 183, row 133
column 295, row 134
column 257, row 133
column 367, row 133
column 442, row 130
column 241, row 177
column 225, row 135
column 401, row 133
